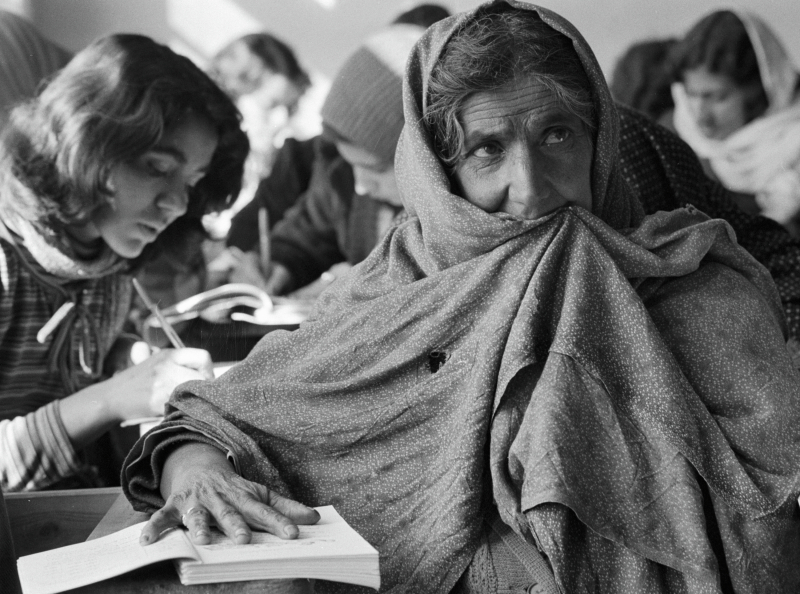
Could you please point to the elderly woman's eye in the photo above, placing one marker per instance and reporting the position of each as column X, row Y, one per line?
column 556, row 136
column 486, row 151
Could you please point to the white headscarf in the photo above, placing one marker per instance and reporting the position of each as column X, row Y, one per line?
column 762, row 157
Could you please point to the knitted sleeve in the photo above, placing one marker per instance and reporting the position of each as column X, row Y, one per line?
column 35, row 450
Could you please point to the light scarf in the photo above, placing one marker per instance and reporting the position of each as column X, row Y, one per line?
column 762, row 157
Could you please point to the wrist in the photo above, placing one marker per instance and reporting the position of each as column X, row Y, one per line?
column 88, row 413
column 190, row 459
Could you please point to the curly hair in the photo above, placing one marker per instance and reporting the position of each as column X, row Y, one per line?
column 108, row 106
column 490, row 51
column 719, row 43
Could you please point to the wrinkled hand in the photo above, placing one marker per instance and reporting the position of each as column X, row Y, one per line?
column 204, row 490
column 142, row 390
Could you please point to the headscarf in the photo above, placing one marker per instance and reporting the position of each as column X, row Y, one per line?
column 401, row 401
column 763, row 156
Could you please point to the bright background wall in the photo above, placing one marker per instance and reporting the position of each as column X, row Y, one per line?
column 323, row 32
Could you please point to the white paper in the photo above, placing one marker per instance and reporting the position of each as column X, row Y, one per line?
column 88, row 562
column 330, row 549
column 331, row 536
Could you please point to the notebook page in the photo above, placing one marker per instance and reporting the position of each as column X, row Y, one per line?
column 88, row 562
column 330, row 537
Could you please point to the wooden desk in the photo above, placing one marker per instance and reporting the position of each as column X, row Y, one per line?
column 43, row 521
column 50, row 519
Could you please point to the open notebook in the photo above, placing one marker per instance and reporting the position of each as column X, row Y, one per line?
column 328, row 550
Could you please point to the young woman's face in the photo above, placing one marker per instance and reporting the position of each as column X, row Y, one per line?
column 152, row 191
column 524, row 154
column 716, row 103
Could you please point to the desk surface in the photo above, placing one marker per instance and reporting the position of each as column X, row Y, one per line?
column 50, row 519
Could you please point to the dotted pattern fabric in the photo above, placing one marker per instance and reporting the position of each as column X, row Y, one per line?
column 606, row 363
column 664, row 174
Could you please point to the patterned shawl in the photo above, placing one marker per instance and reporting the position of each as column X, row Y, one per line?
column 476, row 356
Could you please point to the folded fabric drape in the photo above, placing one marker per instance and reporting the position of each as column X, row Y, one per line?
column 590, row 372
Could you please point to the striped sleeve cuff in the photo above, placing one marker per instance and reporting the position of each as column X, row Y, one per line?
column 36, row 450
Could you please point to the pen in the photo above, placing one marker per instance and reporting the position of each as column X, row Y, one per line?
column 263, row 240
column 165, row 325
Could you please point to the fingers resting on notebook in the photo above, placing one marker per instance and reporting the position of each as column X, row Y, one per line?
column 203, row 490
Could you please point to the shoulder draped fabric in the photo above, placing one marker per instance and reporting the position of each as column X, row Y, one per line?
column 763, row 156
column 596, row 374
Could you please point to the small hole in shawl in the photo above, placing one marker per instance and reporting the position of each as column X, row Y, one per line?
column 436, row 359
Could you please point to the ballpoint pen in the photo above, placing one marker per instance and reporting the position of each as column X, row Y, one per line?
column 165, row 325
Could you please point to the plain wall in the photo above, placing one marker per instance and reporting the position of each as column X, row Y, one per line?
column 324, row 32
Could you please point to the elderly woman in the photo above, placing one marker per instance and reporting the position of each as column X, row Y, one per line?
column 126, row 147
column 526, row 364
column 737, row 104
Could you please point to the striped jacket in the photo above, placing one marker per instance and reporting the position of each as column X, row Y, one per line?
column 34, row 448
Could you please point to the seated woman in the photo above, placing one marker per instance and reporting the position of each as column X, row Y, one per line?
column 737, row 104
column 99, row 172
column 264, row 77
column 526, row 345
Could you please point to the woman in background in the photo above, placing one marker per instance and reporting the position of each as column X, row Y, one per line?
column 737, row 104
column 266, row 81
column 129, row 145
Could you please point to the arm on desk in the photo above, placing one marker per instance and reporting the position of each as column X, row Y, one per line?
column 199, row 484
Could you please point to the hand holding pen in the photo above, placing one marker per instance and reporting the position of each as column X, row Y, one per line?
column 140, row 392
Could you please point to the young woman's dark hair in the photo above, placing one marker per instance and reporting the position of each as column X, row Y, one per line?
column 109, row 105
column 719, row 43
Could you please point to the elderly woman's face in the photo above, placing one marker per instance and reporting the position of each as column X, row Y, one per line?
column 524, row 153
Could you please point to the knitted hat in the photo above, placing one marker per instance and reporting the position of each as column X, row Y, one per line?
column 365, row 103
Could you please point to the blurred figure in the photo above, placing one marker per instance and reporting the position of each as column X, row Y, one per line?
column 352, row 197
column 737, row 105
column 422, row 15
column 26, row 58
column 642, row 78
column 264, row 77
column 334, row 221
